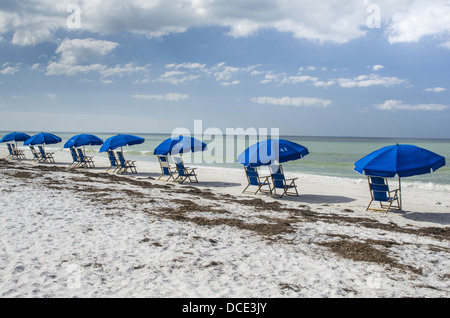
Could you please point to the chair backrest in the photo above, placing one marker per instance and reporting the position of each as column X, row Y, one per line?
column 121, row 158
column 276, row 171
column 81, row 154
column 73, row 152
column 379, row 188
column 11, row 152
column 41, row 149
column 180, row 166
column 15, row 151
column 112, row 158
column 164, row 163
column 33, row 151
column 252, row 175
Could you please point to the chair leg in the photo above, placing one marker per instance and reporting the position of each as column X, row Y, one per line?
column 245, row 188
column 168, row 178
column 182, row 179
column 194, row 176
column 274, row 191
column 370, row 203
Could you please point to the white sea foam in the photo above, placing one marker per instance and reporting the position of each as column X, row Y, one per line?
column 427, row 186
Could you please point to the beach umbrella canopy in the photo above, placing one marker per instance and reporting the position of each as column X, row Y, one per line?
column 400, row 160
column 83, row 140
column 177, row 145
column 15, row 136
column 119, row 141
column 268, row 151
column 42, row 138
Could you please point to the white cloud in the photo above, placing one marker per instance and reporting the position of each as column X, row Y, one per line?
column 324, row 83
column 270, row 77
column 188, row 72
column 369, row 80
column 236, row 82
column 176, row 96
column 283, row 78
column 358, row 81
column 445, row 45
column 256, row 73
column 58, row 68
column 177, row 77
column 51, row 96
column 435, row 89
column 77, row 51
column 223, row 72
column 31, row 36
column 18, row 97
column 8, row 69
column 169, row 97
column 396, row 104
column 121, row 70
column 105, row 81
column 293, row 101
column 377, row 67
column 191, row 66
column 419, row 19
column 77, row 56
column 307, row 68
column 298, row 79
column 340, row 21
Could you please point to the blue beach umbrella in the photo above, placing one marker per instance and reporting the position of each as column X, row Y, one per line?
column 119, row 141
column 399, row 160
column 178, row 145
column 83, row 140
column 42, row 139
column 15, row 136
column 268, row 151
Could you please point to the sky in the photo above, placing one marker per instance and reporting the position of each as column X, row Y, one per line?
column 323, row 68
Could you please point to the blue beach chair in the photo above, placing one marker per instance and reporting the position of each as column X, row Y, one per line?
column 36, row 156
column 18, row 153
column 86, row 161
column 379, row 191
column 287, row 186
column 45, row 156
column 75, row 159
column 112, row 161
column 184, row 173
column 125, row 165
column 11, row 152
column 254, row 179
column 166, row 168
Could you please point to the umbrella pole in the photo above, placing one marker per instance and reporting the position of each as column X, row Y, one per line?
column 400, row 189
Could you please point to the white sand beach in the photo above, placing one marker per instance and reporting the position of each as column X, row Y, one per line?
column 88, row 233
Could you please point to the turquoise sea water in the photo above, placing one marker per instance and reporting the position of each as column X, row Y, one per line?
column 331, row 156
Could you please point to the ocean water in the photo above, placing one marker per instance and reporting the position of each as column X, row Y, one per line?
column 329, row 156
